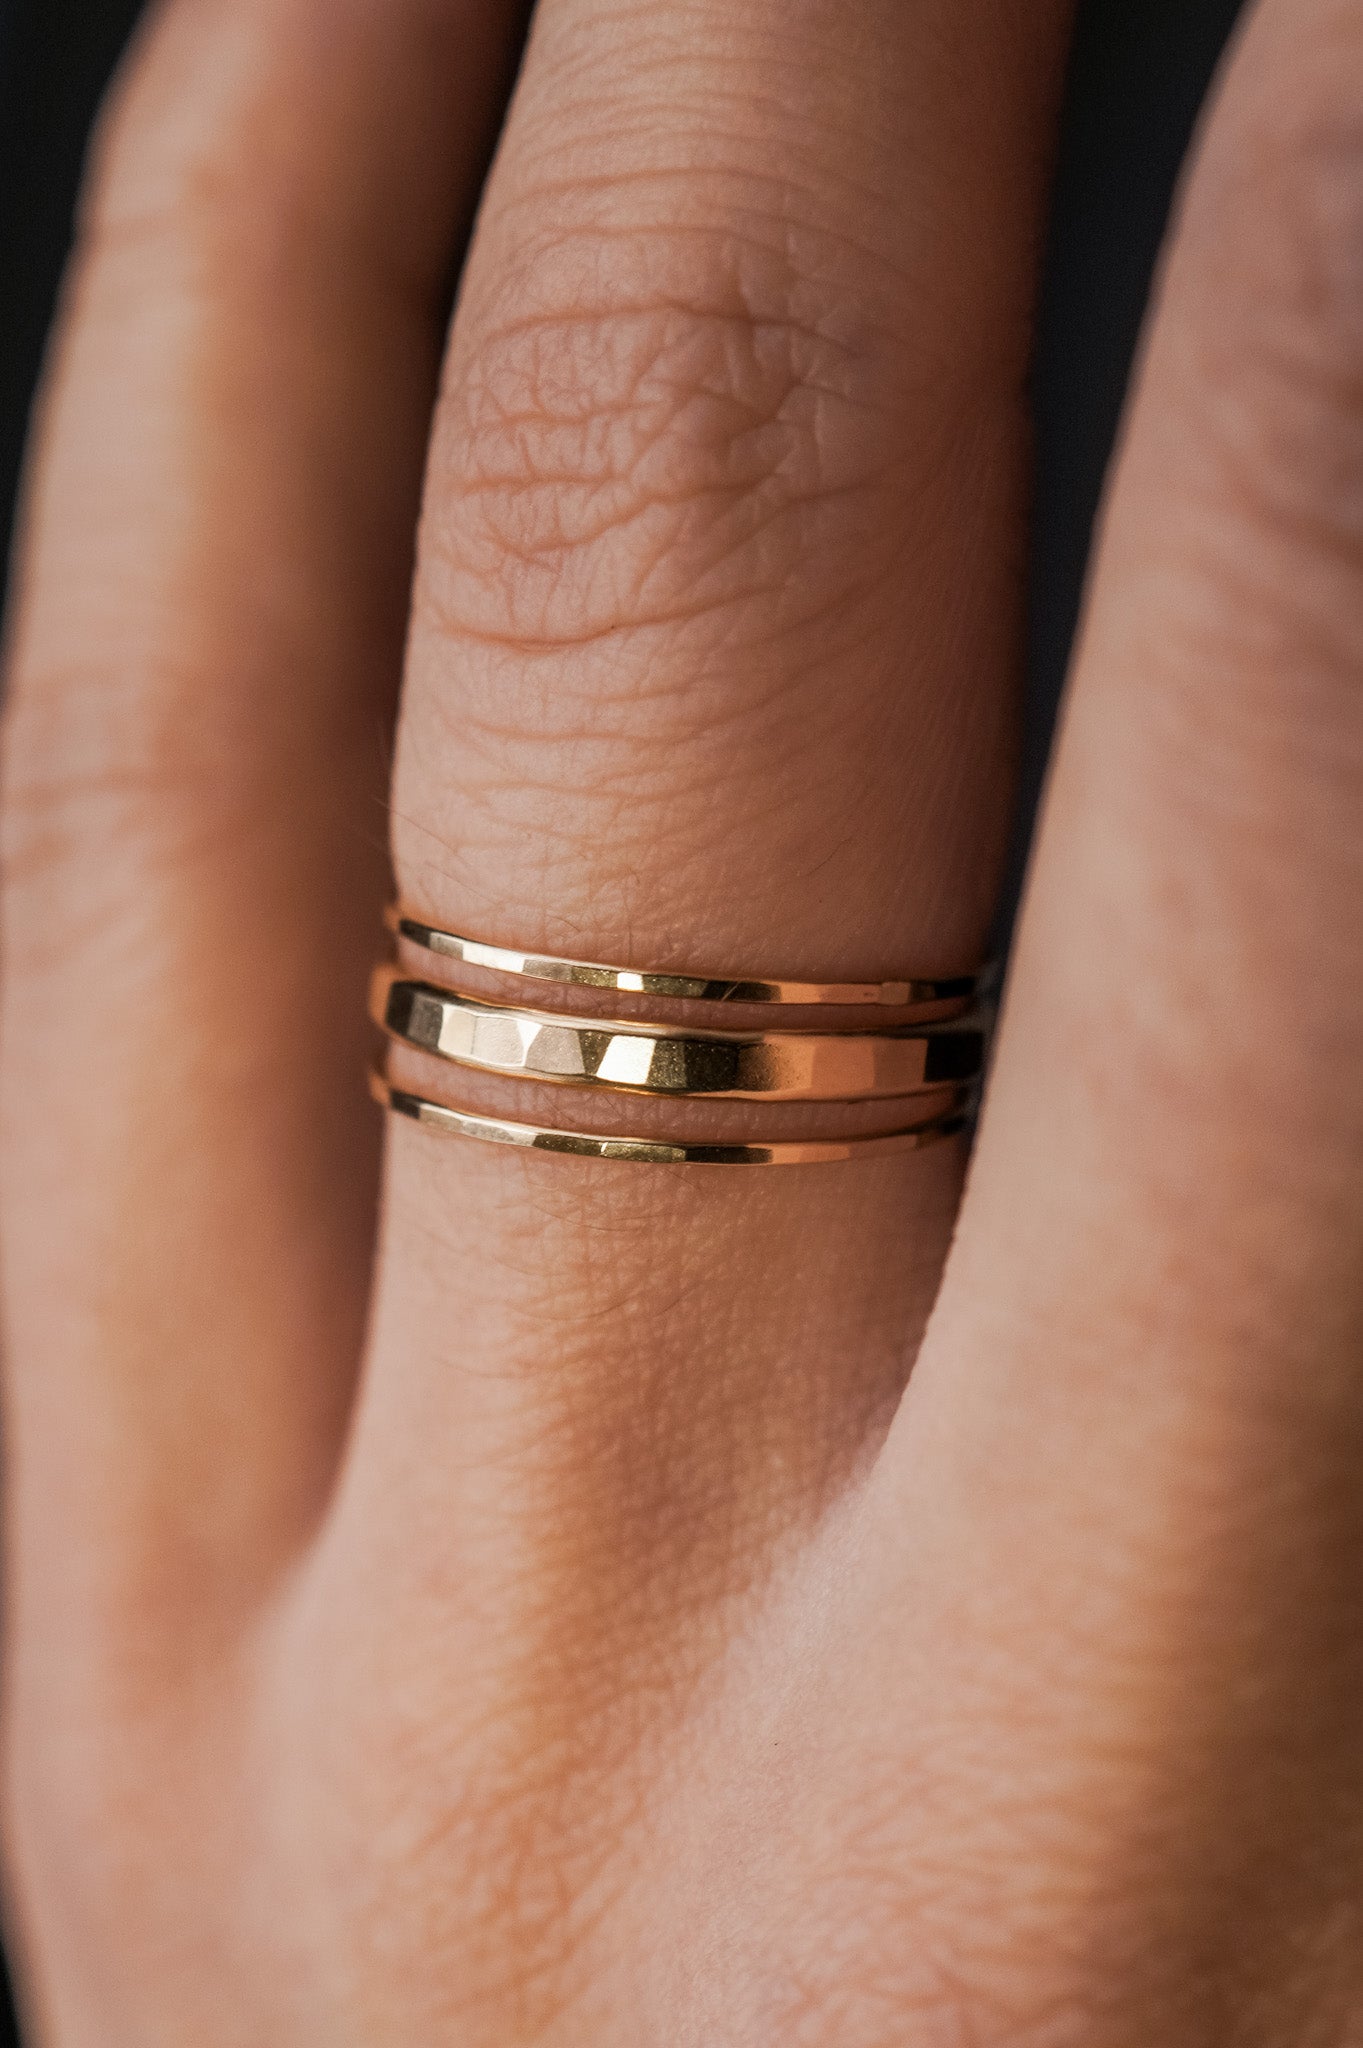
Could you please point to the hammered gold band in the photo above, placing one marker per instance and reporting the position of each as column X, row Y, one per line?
column 458, row 1123
column 957, row 990
column 649, row 1059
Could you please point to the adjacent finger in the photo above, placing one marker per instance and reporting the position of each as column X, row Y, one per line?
column 212, row 601
column 1132, row 1446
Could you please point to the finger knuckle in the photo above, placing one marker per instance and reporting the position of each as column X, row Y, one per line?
column 1258, row 356
column 157, row 162
column 87, row 765
column 198, row 178
column 644, row 427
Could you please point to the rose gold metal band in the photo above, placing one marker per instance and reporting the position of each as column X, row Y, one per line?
column 958, row 990
column 648, row 1059
column 438, row 1116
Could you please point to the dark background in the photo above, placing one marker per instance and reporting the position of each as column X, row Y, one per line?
column 1139, row 75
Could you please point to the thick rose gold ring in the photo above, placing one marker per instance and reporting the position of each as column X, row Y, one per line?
column 660, row 1059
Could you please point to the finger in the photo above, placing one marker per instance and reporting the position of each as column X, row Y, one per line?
column 1135, row 1432
column 212, row 603
column 711, row 667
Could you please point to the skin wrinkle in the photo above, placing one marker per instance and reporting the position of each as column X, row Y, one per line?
column 130, row 232
column 693, row 709
column 786, row 664
column 736, row 172
column 184, row 188
column 744, row 196
column 697, row 461
column 533, row 1887
column 1193, row 732
column 1296, row 533
column 719, row 620
column 795, row 56
column 75, row 743
column 691, row 396
column 525, row 646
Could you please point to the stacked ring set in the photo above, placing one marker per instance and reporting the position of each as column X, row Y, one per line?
column 927, row 1063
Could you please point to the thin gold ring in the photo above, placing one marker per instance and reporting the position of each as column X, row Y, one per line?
column 458, row 1123
column 650, row 1059
column 959, row 989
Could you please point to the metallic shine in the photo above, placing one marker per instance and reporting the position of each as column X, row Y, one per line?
column 654, row 1059
column 958, row 990
column 438, row 1116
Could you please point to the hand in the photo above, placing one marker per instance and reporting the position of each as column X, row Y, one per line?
column 619, row 1654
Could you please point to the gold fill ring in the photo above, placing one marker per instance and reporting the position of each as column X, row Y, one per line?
column 652, row 1059
column 458, row 1123
column 697, row 988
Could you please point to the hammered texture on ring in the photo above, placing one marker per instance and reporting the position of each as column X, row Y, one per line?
column 666, row 1060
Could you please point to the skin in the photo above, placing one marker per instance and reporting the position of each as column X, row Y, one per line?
column 583, row 1630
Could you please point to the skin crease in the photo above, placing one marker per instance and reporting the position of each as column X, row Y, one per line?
column 625, row 1656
